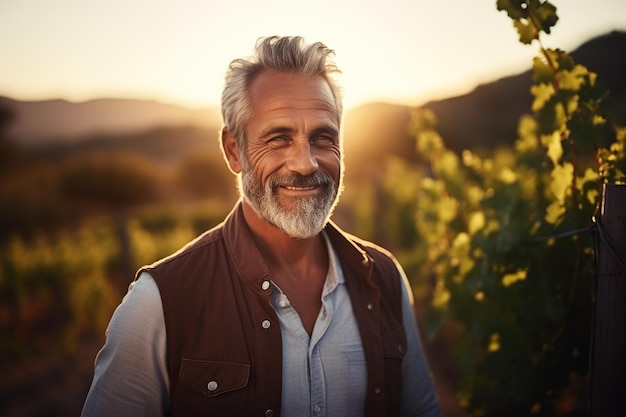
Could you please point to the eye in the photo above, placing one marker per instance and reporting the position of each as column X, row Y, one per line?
column 323, row 140
column 278, row 140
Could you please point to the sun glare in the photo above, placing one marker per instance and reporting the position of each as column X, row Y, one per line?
column 404, row 52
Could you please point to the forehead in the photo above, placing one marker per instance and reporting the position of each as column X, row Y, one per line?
column 276, row 91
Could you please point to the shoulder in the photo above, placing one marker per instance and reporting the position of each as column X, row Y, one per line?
column 143, row 300
column 134, row 350
column 385, row 272
column 380, row 255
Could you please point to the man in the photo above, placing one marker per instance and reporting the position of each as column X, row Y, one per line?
column 275, row 312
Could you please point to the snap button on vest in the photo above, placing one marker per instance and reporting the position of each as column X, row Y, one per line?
column 269, row 413
column 265, row 285
column 266, row 324
column 212, row 386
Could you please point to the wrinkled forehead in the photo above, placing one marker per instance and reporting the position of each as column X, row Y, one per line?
column 277, row 90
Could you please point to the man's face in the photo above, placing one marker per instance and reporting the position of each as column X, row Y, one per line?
column 291, row 170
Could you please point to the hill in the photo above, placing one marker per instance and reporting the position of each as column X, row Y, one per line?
column 43, row 122
column 487, row 116
column 483, row 118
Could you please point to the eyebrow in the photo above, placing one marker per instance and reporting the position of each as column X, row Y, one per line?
column 328, row 129
column 276, row 129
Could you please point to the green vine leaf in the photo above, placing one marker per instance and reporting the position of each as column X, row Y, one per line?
column 526, row 30
column 561, row 181
column 530, row 17
column 542, row 93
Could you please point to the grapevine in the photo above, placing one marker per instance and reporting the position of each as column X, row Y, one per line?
column 506, row 236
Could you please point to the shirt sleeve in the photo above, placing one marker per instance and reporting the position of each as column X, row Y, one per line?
column 130, row 376
column 419, row 397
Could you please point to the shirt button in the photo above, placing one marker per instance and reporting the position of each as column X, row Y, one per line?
column 265, row 285
column 266, row 324
column 269, row 412
column 212, row 386
column 318, row 408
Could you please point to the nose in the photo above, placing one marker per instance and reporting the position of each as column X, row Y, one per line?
column 301, row 159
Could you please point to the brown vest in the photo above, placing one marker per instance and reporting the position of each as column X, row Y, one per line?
column 223, row 337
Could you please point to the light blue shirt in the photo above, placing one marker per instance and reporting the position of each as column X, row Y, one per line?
column 324, row 375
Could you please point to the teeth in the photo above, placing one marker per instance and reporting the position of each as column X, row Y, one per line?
column 300, row 188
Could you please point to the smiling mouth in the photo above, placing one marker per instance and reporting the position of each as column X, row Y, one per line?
column 307, row 188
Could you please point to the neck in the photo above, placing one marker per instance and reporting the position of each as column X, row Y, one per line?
column 298, row 266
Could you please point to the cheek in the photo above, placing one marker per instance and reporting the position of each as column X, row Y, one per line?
column 263, row 164
column 331, row 162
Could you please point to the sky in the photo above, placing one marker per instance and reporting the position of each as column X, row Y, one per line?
column 176, row 52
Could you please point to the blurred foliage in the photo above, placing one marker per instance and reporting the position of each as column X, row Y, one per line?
column 51, row 283
column 114, row 181
column 77, row 220
column 505, row 237
column 51, row 188
column 198, row 178
column 68, row 283
column 9, row 152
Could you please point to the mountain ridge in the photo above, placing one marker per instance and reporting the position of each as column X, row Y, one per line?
column 485, row 117
column 57, row 120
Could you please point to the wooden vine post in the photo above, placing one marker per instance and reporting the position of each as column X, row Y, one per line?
column 608, row 358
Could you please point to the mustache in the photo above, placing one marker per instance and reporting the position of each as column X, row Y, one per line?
column 298, row 180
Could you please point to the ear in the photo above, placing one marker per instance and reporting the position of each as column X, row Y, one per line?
column 231, row 151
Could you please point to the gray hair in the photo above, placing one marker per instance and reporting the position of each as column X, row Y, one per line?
column 281, row 54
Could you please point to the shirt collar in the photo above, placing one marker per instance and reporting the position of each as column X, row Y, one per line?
column 335, row 274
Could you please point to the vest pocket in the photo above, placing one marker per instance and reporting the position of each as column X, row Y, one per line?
column 214, row 378
column 211, row 388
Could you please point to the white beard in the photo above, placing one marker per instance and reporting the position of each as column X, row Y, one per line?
column 306, row 217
